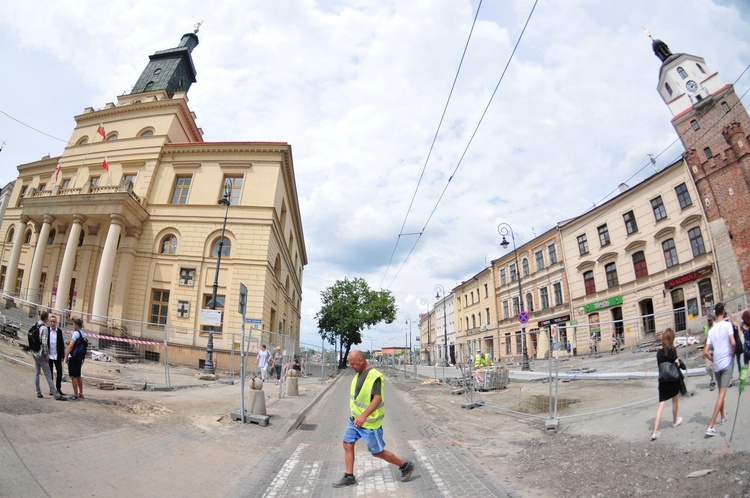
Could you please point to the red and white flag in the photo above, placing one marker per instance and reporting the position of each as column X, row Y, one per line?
column 105, row 164
column 100, row 130
column 59, row 168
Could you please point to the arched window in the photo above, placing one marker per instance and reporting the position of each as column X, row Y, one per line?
column 9, row 238
column 669, row 89
column 27, row 239
column 529, row 302
column 112, row 136
column 168, row 245
column 525, row 264
column 682, row 73
column 51, row 238
column 82, row 141
column 226, row 247
column 146, row 133
column 149, row 86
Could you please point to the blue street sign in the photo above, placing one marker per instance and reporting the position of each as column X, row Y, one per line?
column 253, row 320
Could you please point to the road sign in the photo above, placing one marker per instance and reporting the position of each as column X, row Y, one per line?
column 523, row 317
column 253, row 320
column 242, row 300
column 428, row 348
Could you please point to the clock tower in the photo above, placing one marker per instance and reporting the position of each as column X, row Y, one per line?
column 713, row 126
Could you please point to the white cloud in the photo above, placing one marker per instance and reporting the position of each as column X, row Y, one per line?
column 357, row 88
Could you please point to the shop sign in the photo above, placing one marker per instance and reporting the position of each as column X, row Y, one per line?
column 553, row 321
column 605, row 303
column 689, row 277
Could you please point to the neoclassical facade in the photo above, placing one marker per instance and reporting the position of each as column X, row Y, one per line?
column 125, row 226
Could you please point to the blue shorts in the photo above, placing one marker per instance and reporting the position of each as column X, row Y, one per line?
column 373, row 438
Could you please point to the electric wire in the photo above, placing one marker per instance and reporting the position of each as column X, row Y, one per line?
column 31, row 127
column 471, row 139
column 432, row 145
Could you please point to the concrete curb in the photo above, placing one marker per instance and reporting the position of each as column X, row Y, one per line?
column 319, row 396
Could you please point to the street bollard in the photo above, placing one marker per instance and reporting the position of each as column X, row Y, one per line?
column 292, row 384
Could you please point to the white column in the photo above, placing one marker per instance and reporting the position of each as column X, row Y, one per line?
column 34, row 293
column 69, row 258
column 15, row 256
column 106, row 266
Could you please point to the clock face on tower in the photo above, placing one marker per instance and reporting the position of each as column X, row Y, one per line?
column 692, row 86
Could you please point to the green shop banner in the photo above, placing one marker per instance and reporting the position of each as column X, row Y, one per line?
column 600, row 305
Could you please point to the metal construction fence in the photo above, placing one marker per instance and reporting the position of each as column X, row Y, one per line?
column 125, row 341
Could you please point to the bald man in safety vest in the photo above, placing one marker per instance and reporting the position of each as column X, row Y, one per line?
column 367, row 410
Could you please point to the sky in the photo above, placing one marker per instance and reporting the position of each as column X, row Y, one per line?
column 359, row 88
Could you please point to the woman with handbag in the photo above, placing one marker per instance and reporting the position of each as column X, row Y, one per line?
column 670, row 380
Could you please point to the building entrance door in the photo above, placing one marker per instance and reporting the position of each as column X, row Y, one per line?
column 678, row 305
column 647, row 314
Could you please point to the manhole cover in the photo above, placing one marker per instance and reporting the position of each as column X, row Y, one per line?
column 308, row 427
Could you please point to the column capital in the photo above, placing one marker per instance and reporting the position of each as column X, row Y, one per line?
column 49, row 219
column 24, row 219
column 79, row 218
column 117, row 219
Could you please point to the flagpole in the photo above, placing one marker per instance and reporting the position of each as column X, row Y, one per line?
column 103, row 135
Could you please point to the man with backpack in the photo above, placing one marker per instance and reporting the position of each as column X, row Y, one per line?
column 75, row 356
column 39, row 348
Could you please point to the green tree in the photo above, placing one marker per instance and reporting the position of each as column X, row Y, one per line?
column 350, row 306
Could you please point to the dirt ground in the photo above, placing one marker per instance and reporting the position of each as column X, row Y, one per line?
column 578, row 462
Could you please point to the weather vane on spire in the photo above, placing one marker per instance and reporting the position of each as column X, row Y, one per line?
column 197, row 27
column 646, row 32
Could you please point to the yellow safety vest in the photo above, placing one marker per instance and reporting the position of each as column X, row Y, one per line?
column 477, row 361
column 358, row 405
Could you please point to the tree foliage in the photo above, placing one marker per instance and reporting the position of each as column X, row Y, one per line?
column 350, row 306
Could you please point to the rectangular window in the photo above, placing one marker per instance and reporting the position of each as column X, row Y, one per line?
column 94, row 181
column 487, row 311
column 525, row 265
column 611, row 271
column 219, row 306
column 519, row 342
column 506, row 311
column 486, row 291
column 128, row 179
column 513, row 272
column 695, row 125
column 683, row 195
column 696, row 241
column 658, row 206
column 725, row 106
column 544, row 297
column 516, row 310
column 670, row 252
column 181, row 189
column 159, row 307
column 603, row 235
column 65, row 183
column 508, row 345
column 708, row 152
column 588, row 281
column 630, row 225
column 187, row 276
column 236, row 183
column 3, row 272
column 19, row 282
column 539, row 260
column 552, row 254
column 502, row 277
column 583, row 244
column 639, row 264
column 558, row 293
column 21, row 195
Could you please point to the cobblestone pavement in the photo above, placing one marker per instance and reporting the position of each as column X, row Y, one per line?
column 312, row 457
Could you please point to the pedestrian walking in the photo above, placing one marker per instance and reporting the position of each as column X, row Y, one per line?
column 262, row 361
column 75, row 359
column 41, row 358
column 721, row 337
column 367, row 411
column 278, row 363
column 745, row 328
column 615, row 344
column 56, row 344
column 669, row 388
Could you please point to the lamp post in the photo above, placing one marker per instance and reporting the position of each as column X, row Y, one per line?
column 440, row 290
column 208, row 366
column 505, row 229
column 429, row 353
column 408, row 320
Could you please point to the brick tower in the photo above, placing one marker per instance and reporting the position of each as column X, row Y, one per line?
column 713, row 126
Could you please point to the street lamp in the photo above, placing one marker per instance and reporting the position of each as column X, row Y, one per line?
column 408, row 320
column 504, row 229
column 208, row 366
column 440, row 290
column 429, row 344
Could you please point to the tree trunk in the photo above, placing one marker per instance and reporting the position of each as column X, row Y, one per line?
column 342, row 360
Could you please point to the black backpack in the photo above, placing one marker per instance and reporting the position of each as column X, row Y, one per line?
column 35, row 343
column 80, row 347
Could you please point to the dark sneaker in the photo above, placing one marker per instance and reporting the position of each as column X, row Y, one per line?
column 61, row 398
column 406, row 471
column 345, row 481
column 39, row 395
